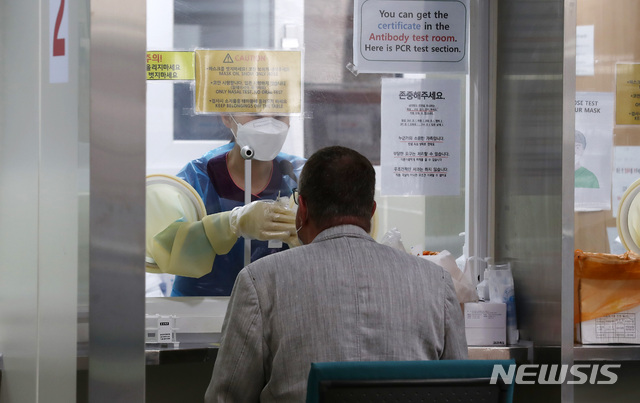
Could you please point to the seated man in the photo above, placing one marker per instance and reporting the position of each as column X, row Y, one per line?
column 340, row 297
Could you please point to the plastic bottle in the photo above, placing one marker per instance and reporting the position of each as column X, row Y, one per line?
column 482, row 288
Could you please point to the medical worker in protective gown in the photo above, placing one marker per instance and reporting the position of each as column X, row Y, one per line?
column 207, row 255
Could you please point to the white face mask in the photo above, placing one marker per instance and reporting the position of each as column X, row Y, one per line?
column 265, row 136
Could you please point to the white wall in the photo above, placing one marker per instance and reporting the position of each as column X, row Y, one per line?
column 38, row 208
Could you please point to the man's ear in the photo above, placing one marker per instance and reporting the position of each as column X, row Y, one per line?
column 302, row 207
column 373, row 210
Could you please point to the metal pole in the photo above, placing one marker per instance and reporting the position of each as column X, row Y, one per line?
column 247, row 200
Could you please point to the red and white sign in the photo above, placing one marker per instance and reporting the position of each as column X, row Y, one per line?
column 58, row 41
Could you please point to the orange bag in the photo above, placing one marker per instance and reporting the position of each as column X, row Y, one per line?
column 604, row 284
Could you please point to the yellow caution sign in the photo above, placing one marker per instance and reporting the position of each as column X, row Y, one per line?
column 170, row 66
column 628, row 94
column 251, row 81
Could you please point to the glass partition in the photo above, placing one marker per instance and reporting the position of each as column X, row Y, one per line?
column 607, row 121
column 340, row 106
column 607, row 182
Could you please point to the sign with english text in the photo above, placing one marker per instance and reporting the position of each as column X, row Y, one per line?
column 410, row 36
column 249, row 81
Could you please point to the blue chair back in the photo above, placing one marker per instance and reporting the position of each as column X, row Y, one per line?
column 427, row 381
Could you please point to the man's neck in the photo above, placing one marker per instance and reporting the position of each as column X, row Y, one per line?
column 315, row 228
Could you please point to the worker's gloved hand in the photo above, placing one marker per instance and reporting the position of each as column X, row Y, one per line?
column 293, row 239
column 263, row 220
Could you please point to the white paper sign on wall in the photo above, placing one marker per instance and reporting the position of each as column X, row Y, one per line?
column 421, row 131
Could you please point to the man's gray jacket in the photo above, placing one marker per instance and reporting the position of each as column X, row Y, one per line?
column 343, row 297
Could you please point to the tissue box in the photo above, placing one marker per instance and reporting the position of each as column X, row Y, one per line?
column 485, row 323
column 621, row 327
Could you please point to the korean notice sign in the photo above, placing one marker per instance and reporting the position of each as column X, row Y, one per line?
column 170, row 66
column 628, row 93
column 251, row 81
column 420, row 145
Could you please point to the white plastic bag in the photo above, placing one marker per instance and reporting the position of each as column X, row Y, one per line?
column 462, row 281
column 394, row 239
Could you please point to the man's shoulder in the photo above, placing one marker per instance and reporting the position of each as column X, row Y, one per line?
column 275, row 261
column 290, row 259
column 402, row 256
column 390, row 256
